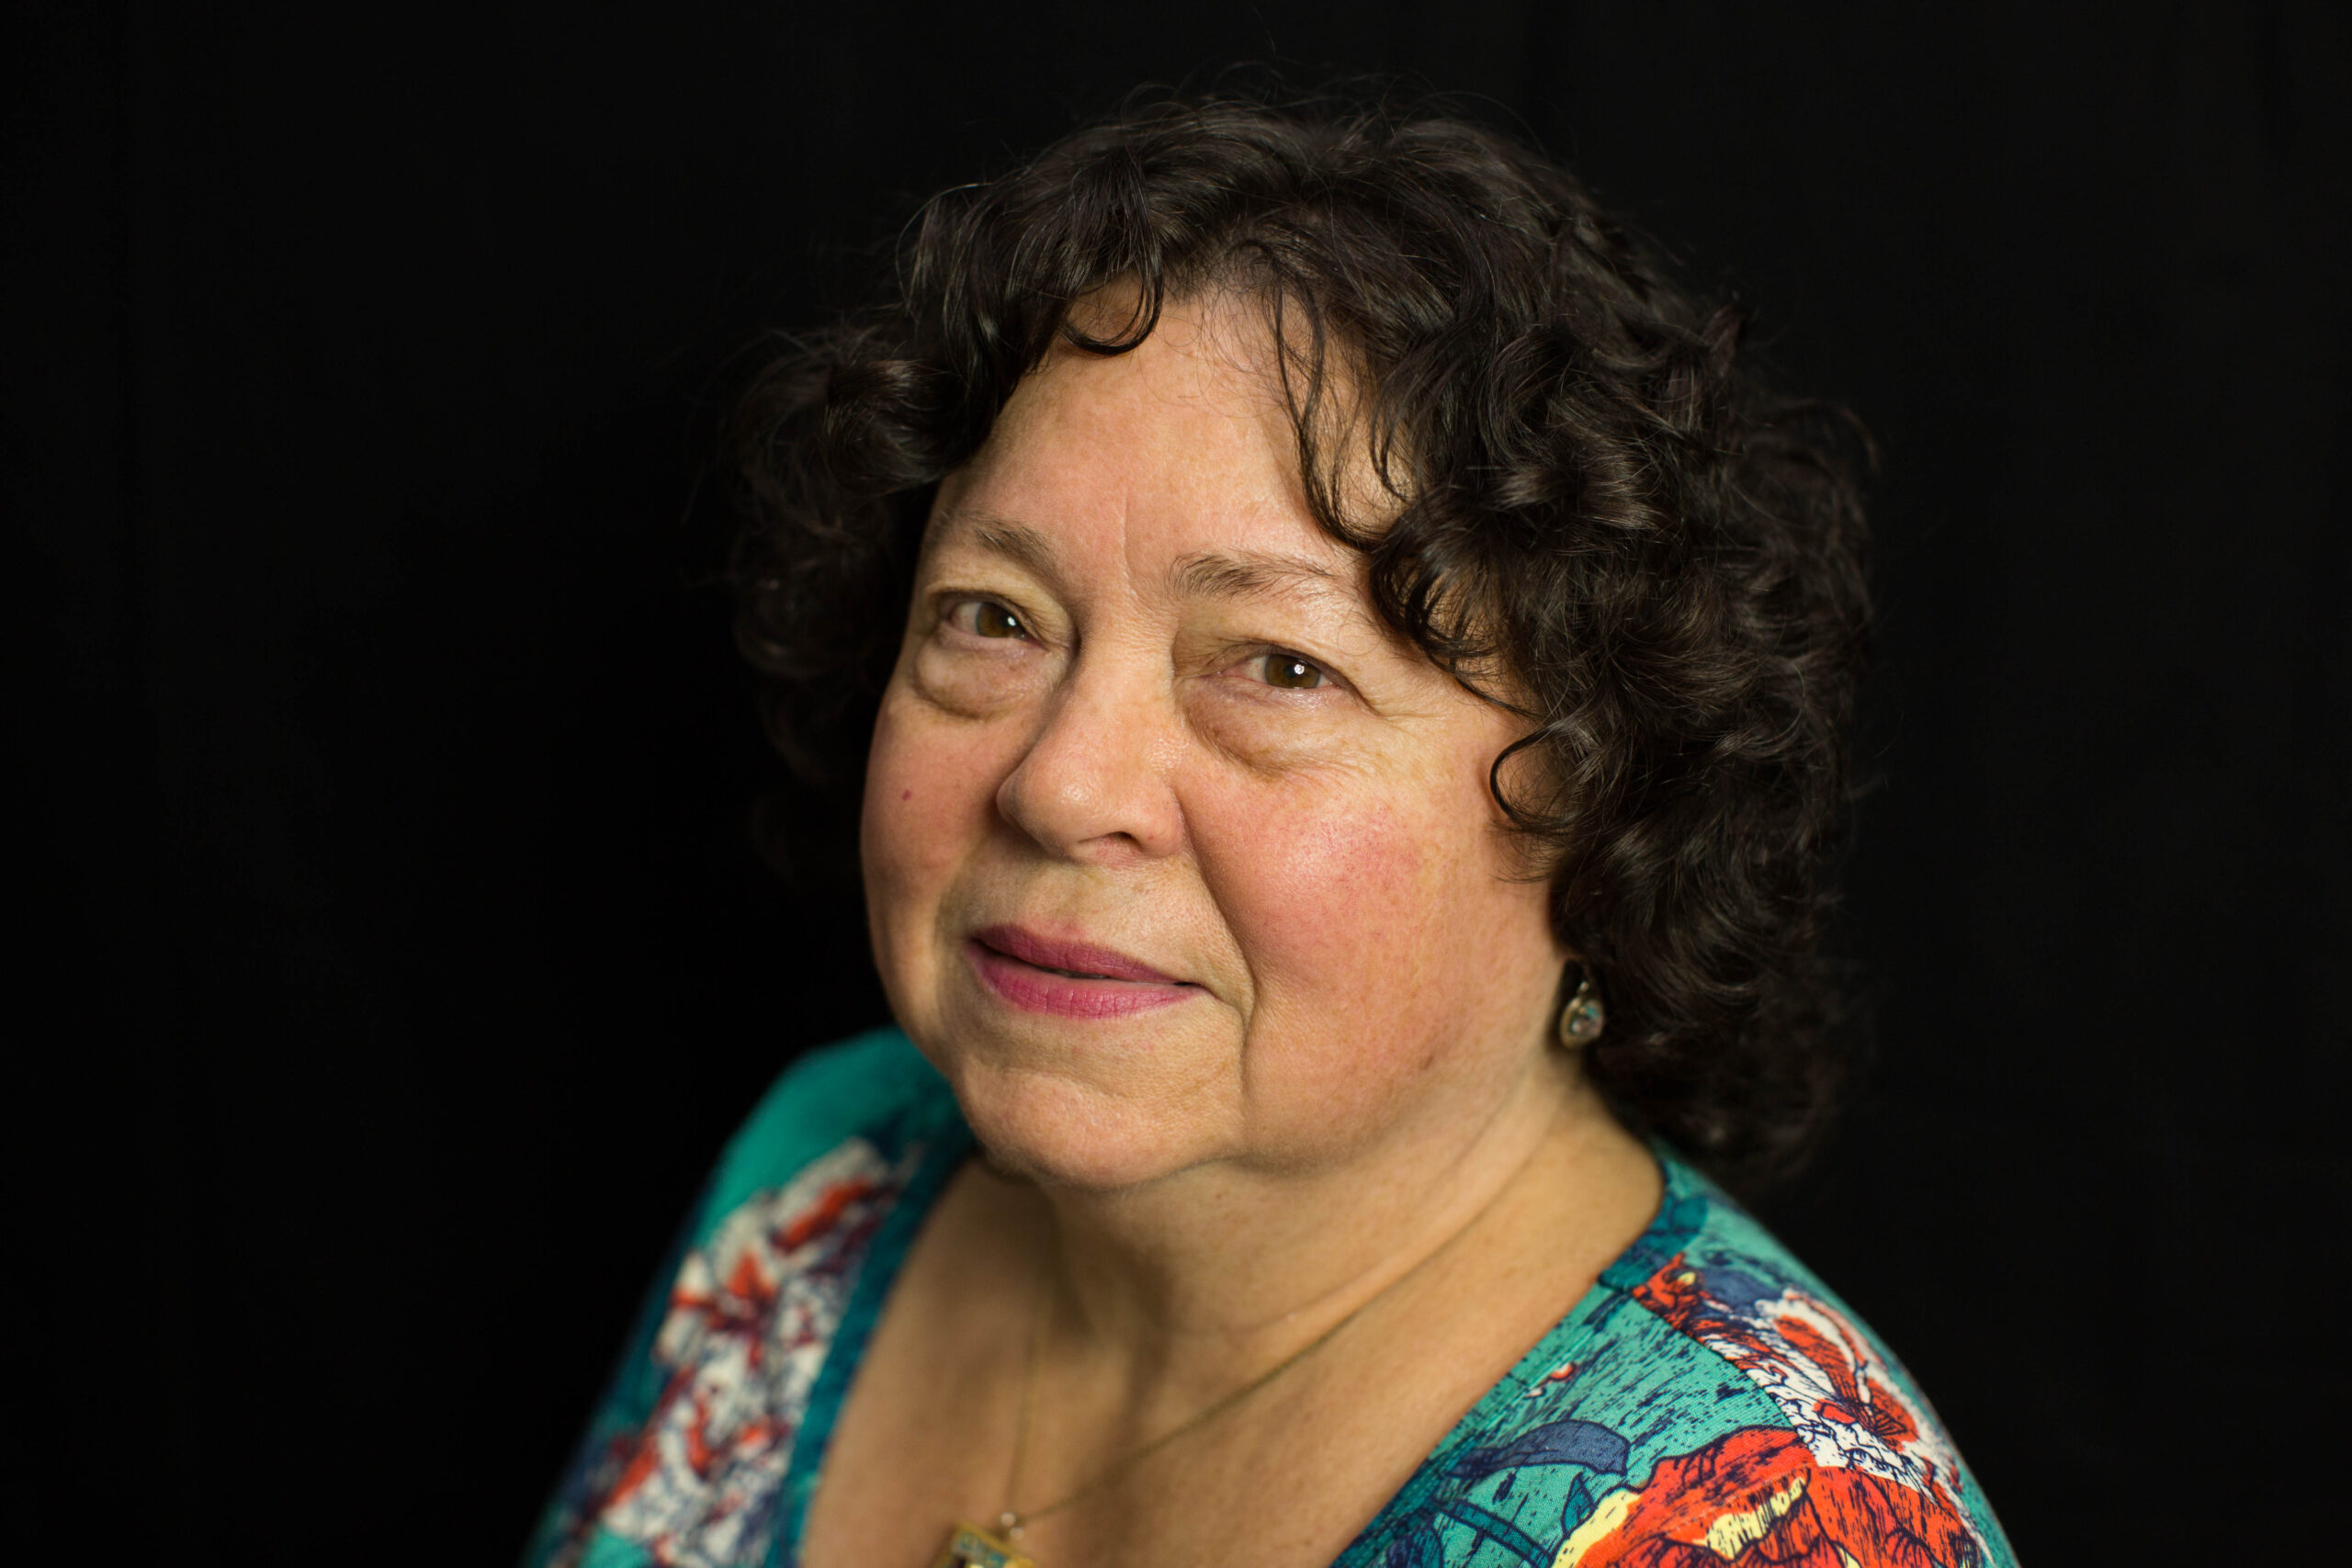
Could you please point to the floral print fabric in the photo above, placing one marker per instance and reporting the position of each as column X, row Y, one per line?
column 750, row 1320
column 1707, row 1403
column 1711, row 1404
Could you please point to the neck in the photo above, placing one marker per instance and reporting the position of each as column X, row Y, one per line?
column 1174, row 1289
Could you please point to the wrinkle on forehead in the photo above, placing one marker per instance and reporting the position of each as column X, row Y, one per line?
column 1253, row 533
column 1238, row 333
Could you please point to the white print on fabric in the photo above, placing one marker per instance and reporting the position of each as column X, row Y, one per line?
column 753, row 1313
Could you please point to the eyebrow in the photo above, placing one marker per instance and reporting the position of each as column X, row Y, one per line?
column 1250, row 574
column 1019, row 542
column 1204, row 574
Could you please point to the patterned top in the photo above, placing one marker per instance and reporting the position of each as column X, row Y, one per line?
column 1707, row 1403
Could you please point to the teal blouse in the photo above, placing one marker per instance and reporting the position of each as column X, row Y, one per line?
column 1707, row 1403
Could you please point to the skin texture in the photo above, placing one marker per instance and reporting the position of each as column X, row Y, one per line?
column 1142, row 704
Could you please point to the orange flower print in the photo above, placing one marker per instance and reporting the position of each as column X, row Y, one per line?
column 1857, row 1480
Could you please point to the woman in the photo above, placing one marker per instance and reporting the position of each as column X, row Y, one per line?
column 1361, row 680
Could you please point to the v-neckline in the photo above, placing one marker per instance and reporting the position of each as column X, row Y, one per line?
column 1668, row 1230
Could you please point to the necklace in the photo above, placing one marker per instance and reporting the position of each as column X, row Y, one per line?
column 972, row 1546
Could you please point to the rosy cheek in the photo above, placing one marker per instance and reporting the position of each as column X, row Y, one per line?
column 1331, row 904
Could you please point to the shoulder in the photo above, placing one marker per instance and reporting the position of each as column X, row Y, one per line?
column 689, row 1455
column 1843, row 1451
column 1708, row 1395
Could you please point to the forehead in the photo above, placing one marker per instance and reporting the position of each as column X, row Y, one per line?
column 1183, row 445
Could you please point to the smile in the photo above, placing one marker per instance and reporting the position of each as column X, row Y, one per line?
column 1039, row 974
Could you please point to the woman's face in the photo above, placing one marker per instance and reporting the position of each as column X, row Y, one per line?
column 1173, row 855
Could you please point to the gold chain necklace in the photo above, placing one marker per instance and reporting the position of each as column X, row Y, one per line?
column 970, row 1545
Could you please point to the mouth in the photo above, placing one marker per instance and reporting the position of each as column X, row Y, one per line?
column 1036, row 972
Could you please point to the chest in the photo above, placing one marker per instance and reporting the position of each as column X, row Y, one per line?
column 1287, row 1478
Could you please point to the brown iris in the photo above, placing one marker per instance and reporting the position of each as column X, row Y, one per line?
column 1292, row 673
column 993, row 619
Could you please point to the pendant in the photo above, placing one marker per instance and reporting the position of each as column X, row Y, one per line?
column 972, row 1547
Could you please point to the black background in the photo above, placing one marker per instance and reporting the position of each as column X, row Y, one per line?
column 381, row 773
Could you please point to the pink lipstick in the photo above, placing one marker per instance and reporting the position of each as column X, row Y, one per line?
column 1073, row 979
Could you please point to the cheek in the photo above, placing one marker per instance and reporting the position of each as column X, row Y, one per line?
column 930, row 785
column 1307, row 892
column 1378, row 938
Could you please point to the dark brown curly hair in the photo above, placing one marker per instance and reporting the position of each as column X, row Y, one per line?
column 1600, row 518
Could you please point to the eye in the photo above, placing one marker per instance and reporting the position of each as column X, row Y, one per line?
column 1289, row 671
column 986, row 617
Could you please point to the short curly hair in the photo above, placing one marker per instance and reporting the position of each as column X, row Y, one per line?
column 1600, row 518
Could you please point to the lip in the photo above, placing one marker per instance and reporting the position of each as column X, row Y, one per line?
column 1021, row 966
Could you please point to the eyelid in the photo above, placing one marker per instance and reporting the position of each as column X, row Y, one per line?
column 953, row 601
column 1333, row 679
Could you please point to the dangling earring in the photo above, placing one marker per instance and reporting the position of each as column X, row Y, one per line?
column 1582, row 1019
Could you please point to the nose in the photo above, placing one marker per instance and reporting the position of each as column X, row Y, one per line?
column 1094, row 785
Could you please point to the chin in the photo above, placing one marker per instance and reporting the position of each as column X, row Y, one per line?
column 1062, row 1132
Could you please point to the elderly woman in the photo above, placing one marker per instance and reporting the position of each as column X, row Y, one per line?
column 1352, row 676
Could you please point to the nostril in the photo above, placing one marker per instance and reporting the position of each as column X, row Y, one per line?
column 1093, row 782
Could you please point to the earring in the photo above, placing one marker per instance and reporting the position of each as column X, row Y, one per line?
column 1582, row 1019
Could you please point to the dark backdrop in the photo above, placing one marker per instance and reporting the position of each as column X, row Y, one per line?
column 380, row 773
